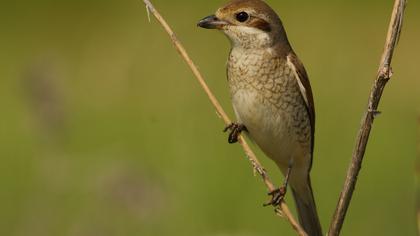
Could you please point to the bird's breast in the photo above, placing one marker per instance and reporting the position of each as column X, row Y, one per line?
column 266, row 99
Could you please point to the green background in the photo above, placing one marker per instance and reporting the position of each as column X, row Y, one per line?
column 104, row 130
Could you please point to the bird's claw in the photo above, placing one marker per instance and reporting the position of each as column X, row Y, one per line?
column 235, row 131
column 277, row 196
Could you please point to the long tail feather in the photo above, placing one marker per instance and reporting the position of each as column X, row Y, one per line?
column 306, row 208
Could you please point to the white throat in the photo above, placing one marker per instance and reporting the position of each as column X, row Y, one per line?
column 248, row 37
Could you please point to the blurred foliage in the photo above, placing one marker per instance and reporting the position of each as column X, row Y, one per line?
column 104, row 131
column 418, row 178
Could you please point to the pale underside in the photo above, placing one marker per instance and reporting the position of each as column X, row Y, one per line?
column 267, row 99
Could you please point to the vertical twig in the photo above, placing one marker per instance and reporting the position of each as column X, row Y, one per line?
column 384, row 74
column 249, row 153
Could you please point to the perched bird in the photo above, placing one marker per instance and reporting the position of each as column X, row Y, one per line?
column 271, row 96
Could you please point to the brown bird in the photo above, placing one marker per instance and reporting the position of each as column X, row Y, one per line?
column 271, row 96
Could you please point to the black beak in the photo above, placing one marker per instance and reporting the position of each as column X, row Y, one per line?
column 211, row 22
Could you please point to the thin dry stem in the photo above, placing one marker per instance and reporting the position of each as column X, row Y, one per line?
column 384, row 74
column 220, row 111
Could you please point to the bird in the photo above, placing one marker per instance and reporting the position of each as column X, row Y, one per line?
column 271, row 97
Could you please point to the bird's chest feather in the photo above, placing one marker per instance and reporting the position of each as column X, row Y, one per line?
column 266, row 98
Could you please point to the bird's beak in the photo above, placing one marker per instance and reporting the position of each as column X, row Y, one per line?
column 211, row 22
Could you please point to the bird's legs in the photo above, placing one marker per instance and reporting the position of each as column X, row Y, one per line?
column 235, row 131
column 278, row 194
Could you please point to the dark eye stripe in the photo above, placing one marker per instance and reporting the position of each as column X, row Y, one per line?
column 261, row 24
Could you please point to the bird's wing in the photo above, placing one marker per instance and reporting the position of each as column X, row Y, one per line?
column 305, row 89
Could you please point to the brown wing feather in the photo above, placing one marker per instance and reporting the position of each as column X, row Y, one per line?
column 306, row 92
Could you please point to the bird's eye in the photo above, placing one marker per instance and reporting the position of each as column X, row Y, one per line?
column 242, row 16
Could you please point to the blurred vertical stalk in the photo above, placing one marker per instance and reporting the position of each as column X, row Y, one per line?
column 41, row 82
column 418, row 177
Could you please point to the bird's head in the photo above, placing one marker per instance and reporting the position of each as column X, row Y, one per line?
column 247, row 23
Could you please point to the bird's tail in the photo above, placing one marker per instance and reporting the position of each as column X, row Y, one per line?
column 306, row 208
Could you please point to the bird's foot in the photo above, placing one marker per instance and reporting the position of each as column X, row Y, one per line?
column 277, row 196
column 235, row 131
